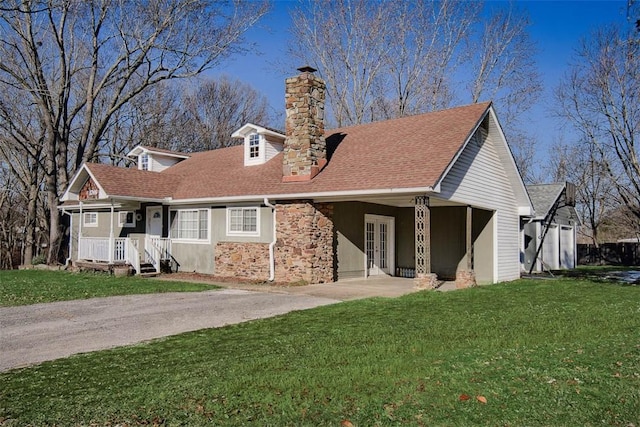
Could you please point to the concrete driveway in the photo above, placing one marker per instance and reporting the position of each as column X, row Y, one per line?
column 37, row 333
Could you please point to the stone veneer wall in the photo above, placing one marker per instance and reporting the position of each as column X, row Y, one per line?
column 305, row 147
column 305, row 249
column 245, row 260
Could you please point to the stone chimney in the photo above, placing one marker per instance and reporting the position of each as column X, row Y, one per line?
column 305, row 151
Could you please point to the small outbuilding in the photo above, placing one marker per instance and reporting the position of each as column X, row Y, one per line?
column 550, row 235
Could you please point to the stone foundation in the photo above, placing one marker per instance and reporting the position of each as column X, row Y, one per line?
column 465, row 279
column 244, row 260
column 426, row 281
column 304, row 249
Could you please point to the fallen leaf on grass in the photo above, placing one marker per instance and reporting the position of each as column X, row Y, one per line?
column 346, row 423
column 481, row 399
column 464, row 397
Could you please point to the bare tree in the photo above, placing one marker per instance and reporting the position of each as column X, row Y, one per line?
column 600, row 98
column 423, row 53
column 346, row 40
column 214, row 109
column 194, row 116
column 502, row 59
column 595, row 194
column 153, row 119
column 22, row 160
column 79, row 63
column 390, row 59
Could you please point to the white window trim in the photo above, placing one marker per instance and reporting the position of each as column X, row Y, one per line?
column 145, row 156
column 255, row 136
column 124, row 223
column 243, row 233
column 259, row 159
column 89, row 224
column 185, row 240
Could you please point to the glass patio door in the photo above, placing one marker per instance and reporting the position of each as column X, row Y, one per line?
column 379, row 244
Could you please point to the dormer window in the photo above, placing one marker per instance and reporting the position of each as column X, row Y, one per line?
column 144, row 162
column 254, row 146
column 155, row 159
column 260, row 144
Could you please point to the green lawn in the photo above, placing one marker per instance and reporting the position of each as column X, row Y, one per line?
column 538, row 352
column 23, row 287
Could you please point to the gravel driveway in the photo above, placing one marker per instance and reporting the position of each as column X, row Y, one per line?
column 36, row 333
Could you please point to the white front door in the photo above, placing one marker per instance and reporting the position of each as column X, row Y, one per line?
column 154, row 221
column 379, row 237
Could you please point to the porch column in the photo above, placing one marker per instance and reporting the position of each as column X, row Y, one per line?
column 80, row 223
column 467, row 278
column 469, row 239
column 424, row 278
column 111, row 242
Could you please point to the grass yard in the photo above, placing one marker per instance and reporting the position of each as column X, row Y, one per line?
column 23, row 287
column 532, row 352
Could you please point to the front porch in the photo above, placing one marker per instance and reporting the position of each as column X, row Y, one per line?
column 144, row 255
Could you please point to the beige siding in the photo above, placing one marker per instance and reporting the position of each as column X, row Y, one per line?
column 478, row 178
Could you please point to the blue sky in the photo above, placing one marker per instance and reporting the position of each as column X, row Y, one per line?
column 557, row 27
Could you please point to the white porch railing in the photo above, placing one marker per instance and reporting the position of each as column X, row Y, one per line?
column 124, row 250
column 103, row 249
column 156, row 249
column 134, row 254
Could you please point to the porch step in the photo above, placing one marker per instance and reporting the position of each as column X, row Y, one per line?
column 147, row 270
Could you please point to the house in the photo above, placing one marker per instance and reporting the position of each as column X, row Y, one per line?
column 431, row 196
column 550, row 235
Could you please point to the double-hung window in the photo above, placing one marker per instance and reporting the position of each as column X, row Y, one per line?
column 243, row 220
column 144, row 162
column 190, row 224
column 254, row 146
column 90, row 219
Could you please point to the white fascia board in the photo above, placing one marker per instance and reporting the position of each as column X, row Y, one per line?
column 89, row 206
column 462, row 148
column 526, row 211
column 251, row 128
column 512, row 161
column 316, row 195
column 66, row 196
column 141, row 199
column 512, row 164
column 140, row 149
column 136, row 151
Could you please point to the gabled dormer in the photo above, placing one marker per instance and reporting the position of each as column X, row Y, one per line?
column 156, row 159
column 260, row 144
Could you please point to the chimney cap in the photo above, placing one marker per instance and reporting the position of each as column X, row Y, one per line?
column 307, row 69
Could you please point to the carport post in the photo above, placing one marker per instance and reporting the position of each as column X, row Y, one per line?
column 469, row 239
column 424, row 278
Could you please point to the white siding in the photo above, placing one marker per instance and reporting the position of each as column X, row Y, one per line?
column 159, row 163
column 272, row 149
column 478, row 178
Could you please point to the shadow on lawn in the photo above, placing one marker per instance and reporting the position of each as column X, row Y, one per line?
column 609, row 274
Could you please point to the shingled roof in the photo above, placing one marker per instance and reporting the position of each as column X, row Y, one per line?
column 117, row 181
column 543, row 196
column 404, row 153
column 408, row 152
